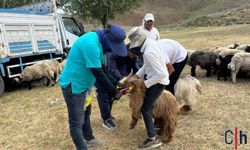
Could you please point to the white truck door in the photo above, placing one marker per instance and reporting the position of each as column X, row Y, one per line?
column 73, row 31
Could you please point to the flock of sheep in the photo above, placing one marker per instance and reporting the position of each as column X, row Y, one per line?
column 224, row 61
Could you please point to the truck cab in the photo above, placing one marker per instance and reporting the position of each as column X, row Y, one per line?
column 71, row 29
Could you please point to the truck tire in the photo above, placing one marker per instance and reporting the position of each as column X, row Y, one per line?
column 1, row 86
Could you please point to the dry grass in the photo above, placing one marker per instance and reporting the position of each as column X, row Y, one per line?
column 37, row 119
column 207, row 37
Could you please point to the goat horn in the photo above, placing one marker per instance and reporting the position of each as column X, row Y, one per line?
column 123, row 80
column 131, row 73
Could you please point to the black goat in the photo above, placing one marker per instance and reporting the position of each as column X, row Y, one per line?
column 223, row 70
column 205, row 59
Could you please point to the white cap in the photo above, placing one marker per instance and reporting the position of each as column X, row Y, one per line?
column 137, row 36
column 148, row 17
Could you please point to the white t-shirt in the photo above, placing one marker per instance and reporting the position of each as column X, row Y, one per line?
column 173, row 49
column 153, row 33
column 154, row 64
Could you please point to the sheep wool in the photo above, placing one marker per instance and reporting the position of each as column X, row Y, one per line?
column 165, row 109
column 187, row 89
column 239, row 61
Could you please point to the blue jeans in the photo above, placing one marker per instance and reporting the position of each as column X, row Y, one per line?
column 79, row 121
column 104, row 101
column 151, row 96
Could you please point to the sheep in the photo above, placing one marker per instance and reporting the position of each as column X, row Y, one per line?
column 190, row 51
column 239, row 61
column 225, row 53
column 56, row 68
column 165, row 109
column 187, row 88
column 223, row 71
column 37, row 71
column 247, row 49
column 218, row 49
column 205, row 59
column 233, row 46
column 63, row 63
column 223, row 60
column 243, row 46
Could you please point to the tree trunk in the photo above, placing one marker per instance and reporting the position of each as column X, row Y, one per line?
column 105, row 18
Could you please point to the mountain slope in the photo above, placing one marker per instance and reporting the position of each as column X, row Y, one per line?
column 191, row 12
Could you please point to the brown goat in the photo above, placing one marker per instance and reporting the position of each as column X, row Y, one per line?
column 165, row 109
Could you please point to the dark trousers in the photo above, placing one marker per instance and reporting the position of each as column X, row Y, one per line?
column 178, row 67
column 151, row 96
column 104, row 101
column 79, row 121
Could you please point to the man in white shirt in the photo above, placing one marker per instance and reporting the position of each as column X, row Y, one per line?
column 147, row 25
column 157, row 78
column 176, row 59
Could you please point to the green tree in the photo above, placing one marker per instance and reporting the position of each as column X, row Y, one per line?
column 100, row 10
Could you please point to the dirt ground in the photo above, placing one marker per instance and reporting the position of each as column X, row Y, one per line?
column 37, row 119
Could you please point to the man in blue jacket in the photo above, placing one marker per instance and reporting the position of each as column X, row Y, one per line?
column 121, row 66
column 82, row 69
column 116, row 68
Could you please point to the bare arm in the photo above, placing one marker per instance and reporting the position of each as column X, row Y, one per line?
column 170, row 68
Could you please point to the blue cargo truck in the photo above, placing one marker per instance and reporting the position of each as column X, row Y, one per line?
column 28, row 36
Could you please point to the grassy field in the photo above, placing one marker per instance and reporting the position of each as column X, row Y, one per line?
column 37, row 119
column 207, row 37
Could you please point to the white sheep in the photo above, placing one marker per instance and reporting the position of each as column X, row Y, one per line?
column 56, row 68
column 243, row 46
column 36, row 72
column 233, row 46
column 187, row 89
column 63, row 63
column 218, row 49
column 239, row 61
column 225, row 53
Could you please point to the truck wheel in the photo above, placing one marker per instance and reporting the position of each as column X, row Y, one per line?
column 1, row 86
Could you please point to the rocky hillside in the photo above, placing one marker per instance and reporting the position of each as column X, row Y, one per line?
column 191, row 12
